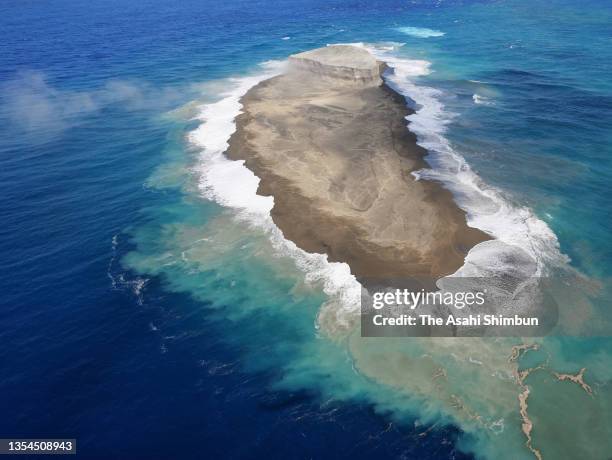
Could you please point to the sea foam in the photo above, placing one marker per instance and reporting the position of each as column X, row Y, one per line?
column 231, row 184
column 519, row 235
column 420, row 32
column 516, row 230
column 481, row 100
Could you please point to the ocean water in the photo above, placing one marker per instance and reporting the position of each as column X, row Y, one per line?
column 151, row 309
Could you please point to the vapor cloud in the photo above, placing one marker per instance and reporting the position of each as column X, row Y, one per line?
column 30, row 102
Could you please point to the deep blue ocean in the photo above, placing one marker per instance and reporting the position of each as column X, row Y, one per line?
column 118, row 328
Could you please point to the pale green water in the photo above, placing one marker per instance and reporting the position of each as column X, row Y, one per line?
column 199, row 248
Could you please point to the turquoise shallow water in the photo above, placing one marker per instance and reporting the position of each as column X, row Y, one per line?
column 134, row 302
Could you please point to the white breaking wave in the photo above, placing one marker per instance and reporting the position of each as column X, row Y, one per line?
column 518, row 232
column 233, row 185
column 522, row 242
column 482, row 100
column 420, row 32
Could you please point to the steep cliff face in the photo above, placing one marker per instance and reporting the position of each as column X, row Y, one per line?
column 340, row 62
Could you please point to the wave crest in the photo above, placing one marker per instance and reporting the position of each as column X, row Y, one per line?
column 515, row 228
column 420, row 32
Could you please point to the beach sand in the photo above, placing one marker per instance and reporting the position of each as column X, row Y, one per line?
column 330, row 143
